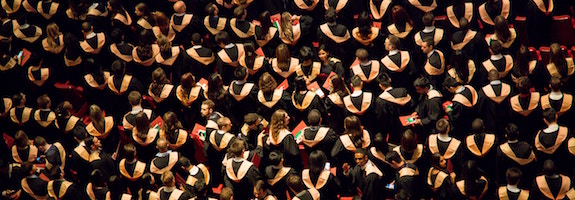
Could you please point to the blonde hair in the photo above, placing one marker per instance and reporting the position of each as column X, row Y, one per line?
column 278, row 123
column 282, row 56
column 286, row 26
column 97, row 117
column 52, row 34
column 164, row 43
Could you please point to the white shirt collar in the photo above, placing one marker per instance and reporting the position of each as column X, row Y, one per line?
column 93, row 6
column 230, row 45
column 428, row 29
column 430, row 53
column 24, row 26
column 197, row 46
column 512, row 141
column 356, row 93
column 393, row 52
column 460, row 90
column 496, row 57
column 495, row 82
column 91, row 35
column 169, row 189
column 443, row 137
column 551, row 128
column 194, row 170
column 136, row 109
column 163, row 154
column 179, row 14
column 366, row 63
column 388, row 89
column 366, row 164
column 556, row 95
column 513, row 188
column 221, row 132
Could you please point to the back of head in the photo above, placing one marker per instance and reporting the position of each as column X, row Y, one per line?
column 167, row 178
column 477, row 127
column 237, row 148
column 117, row 35
column 502, row 29
column 524, row 85
column 135, row 98
column 21, row 139
column 511, row 132
column 317, row 160
column 240, row 73
column 555, row 84
column 495, row 47
column 184, row 162
column 463, row 24
column 549, row 168
column 267, row 83
column 96, row 178
column 493, row 75
column 513, row 175
column 393, row 156
column 86, row 27
column 380, row 144
column 223, row 38
column 294, row 182
column 314, row 117
column 550, row 115
column 222, row 122
column 196, row 39
column 117, row 67
column 142, row 124
column 394, row 41
column 305, row 53
column 162, row 145
column 408, row 141
column 450, row 82
column 422, row 82
column 400, row 16
column 362, row 55
column 39, row 141
column 330, row 15
column 43, row 101
column 300, row 83
column 275, row 158
column 384, row 79
column 251, row 118
column 442, row 126
column 188, row 81
column 356, row 81
column 129, row 151
column 227, row 194
column 427, row 19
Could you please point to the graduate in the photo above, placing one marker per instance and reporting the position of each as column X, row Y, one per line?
column 558, row 100
column 502, row 63
column 303, row 101
column 490, row 10
column 276, row 175
column 344, row 10
column 241, row 30
column 213, row 22
column 23, row 150
column 172, row 60
column 367, row 36
column 202, row 58
column 161, row 91
column 526, row 111
column 183, row 24
column 402, row 27
column 471, row 42
column 418, row 8
column 169, row 191
column 44, row 118
column 131, row 169
column 281, row 139
column 550, row 141
column 434, row 65
column 334, row 103
column 99, row 159
column 283, row 66
column 558, row 185
column 515, row 154
column 190, row 95
column 560, row 66
column 144, row 137
column 20, row 115
column 60, row 188
column 55, row 155
column 317, row 178
column 266, row 34
column 129, row 119
column 219, row 143
column 464, row 70
column 32, row 186
column 361, row 104
column 353, row 138
column 255, row 64
column 165, row 160
column 315, row 137
column 438, row 178
column 177, row 137
column 102, row 127
column 481, row 147
column 463, row 108
column 367, row 70
column 512, row 190
column 240, row 174
column 449, row 148
column 335, row 36
column 308, row 68
column 93, row 42
column 472, row 184
column 458, row 9
column 539, row 16
column 411, row 151
column 121, row 49
column 365, row 176
column 493, row 104
column 241, row 97
column 407, row 175
column 398, row 64
column 390, row 105
column 506, row 36
column 438, row 35
column 227, row 57
column 198, row 178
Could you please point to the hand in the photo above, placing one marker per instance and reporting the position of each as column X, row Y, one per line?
column 452, row 175
column 413, row 114
column 345, row 167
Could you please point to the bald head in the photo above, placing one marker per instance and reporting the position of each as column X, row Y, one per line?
column 180, row 7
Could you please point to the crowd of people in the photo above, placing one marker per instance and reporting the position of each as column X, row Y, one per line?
column 278, row 99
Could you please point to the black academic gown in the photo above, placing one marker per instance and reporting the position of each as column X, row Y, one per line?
column 503, row 67
column 552, row 145
column 164, row 100
column 326, row 183
column 302, row 104
column 408, row 179
column 504, row 193
column 434, row 68
column 472, row 43
column 269, row 103
column 227, row 61
column 241, row 176
column 216, row 151
column 336, row 38
column 526, row 114
column 483, row 149
column 368, row 181
column 373, row 43
column 286, row 144
column 269, row 41
column 539, row 16
column 364, row 107
column 78, row 162
column 175, row 63
column 563, row 107
column 33, row 187
column 368, row 74
column 556, row 187
column 241, row 100
column 190, row 104
column 516, row 154
column 202, row 61
column 463, row 111
column 335, row 112
column 417, row 8
column 319, row 138
column 63, row 190
column 390, row 105
column 452, row 151
column 439, row 181
column 183, row 27
column 400, row 68
column 104, row 162
column 145, row 148
column 276, row 178
column 255, row 67
column 493, row 106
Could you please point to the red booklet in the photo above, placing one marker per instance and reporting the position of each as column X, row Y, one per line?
column 284, row 85
column 327, row 82
column 298, row 128
column 407, row 120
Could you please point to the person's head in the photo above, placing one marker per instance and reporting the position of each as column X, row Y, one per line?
column 197, row 39
column 148, row 182
column 162, row 145
column 362, row 55
column 188, row 81
column 86, row 28
column 224, row 124
column 294, row 182
column 207, row 108
column 227, row 194
column 392, row 42
column 63, row 110
column 299, row 83
column 511, row 132
column 240, row 12
column 495, row 47
column 164, row 43
column 428, row 19
column 438, row 161
column 237, row 149
column 384, row 80
column 408, row 141
column 477, row 127
column 44, row 101
column 276, row 158
column 330, row 15
column 52, row 31
column 142, row 125
column 117, row 67
column 180, row 7
column 267, row 83
column 460, row 63
column 97, row 179
column 117, row 35
column 338, row 86
column 41, row 144
column 240, row 74
column 463, row 24
column 19, row 99
column 260, row 190
column 96, row 114
column 211, row 9
column 142, row 10
column 451, row 84
column 524, row 85
column 168, row 179
column 323, row 53
column 135, row 98
column 513, row 175
column 360, row 157
column 380, row 144
column 400, row 16
column 549, row 116
column 223, row 39
column 93, row 143
column 279, row 121
column 356, row 82
column 21, row 139
column 162, row 22
column 317, row 160
column 394, row 159
column 522, row 60
column 493, row 75
column 549, row 168
column 422, row 85
column 427, row 45
column 252, row 120
column 555, row 84
column 442, row 126
column 282, row 56
column 558, row 58
column 129, row 151
column 171, row 122
column 305, row 54
column 314, row 118
column 502, row 29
